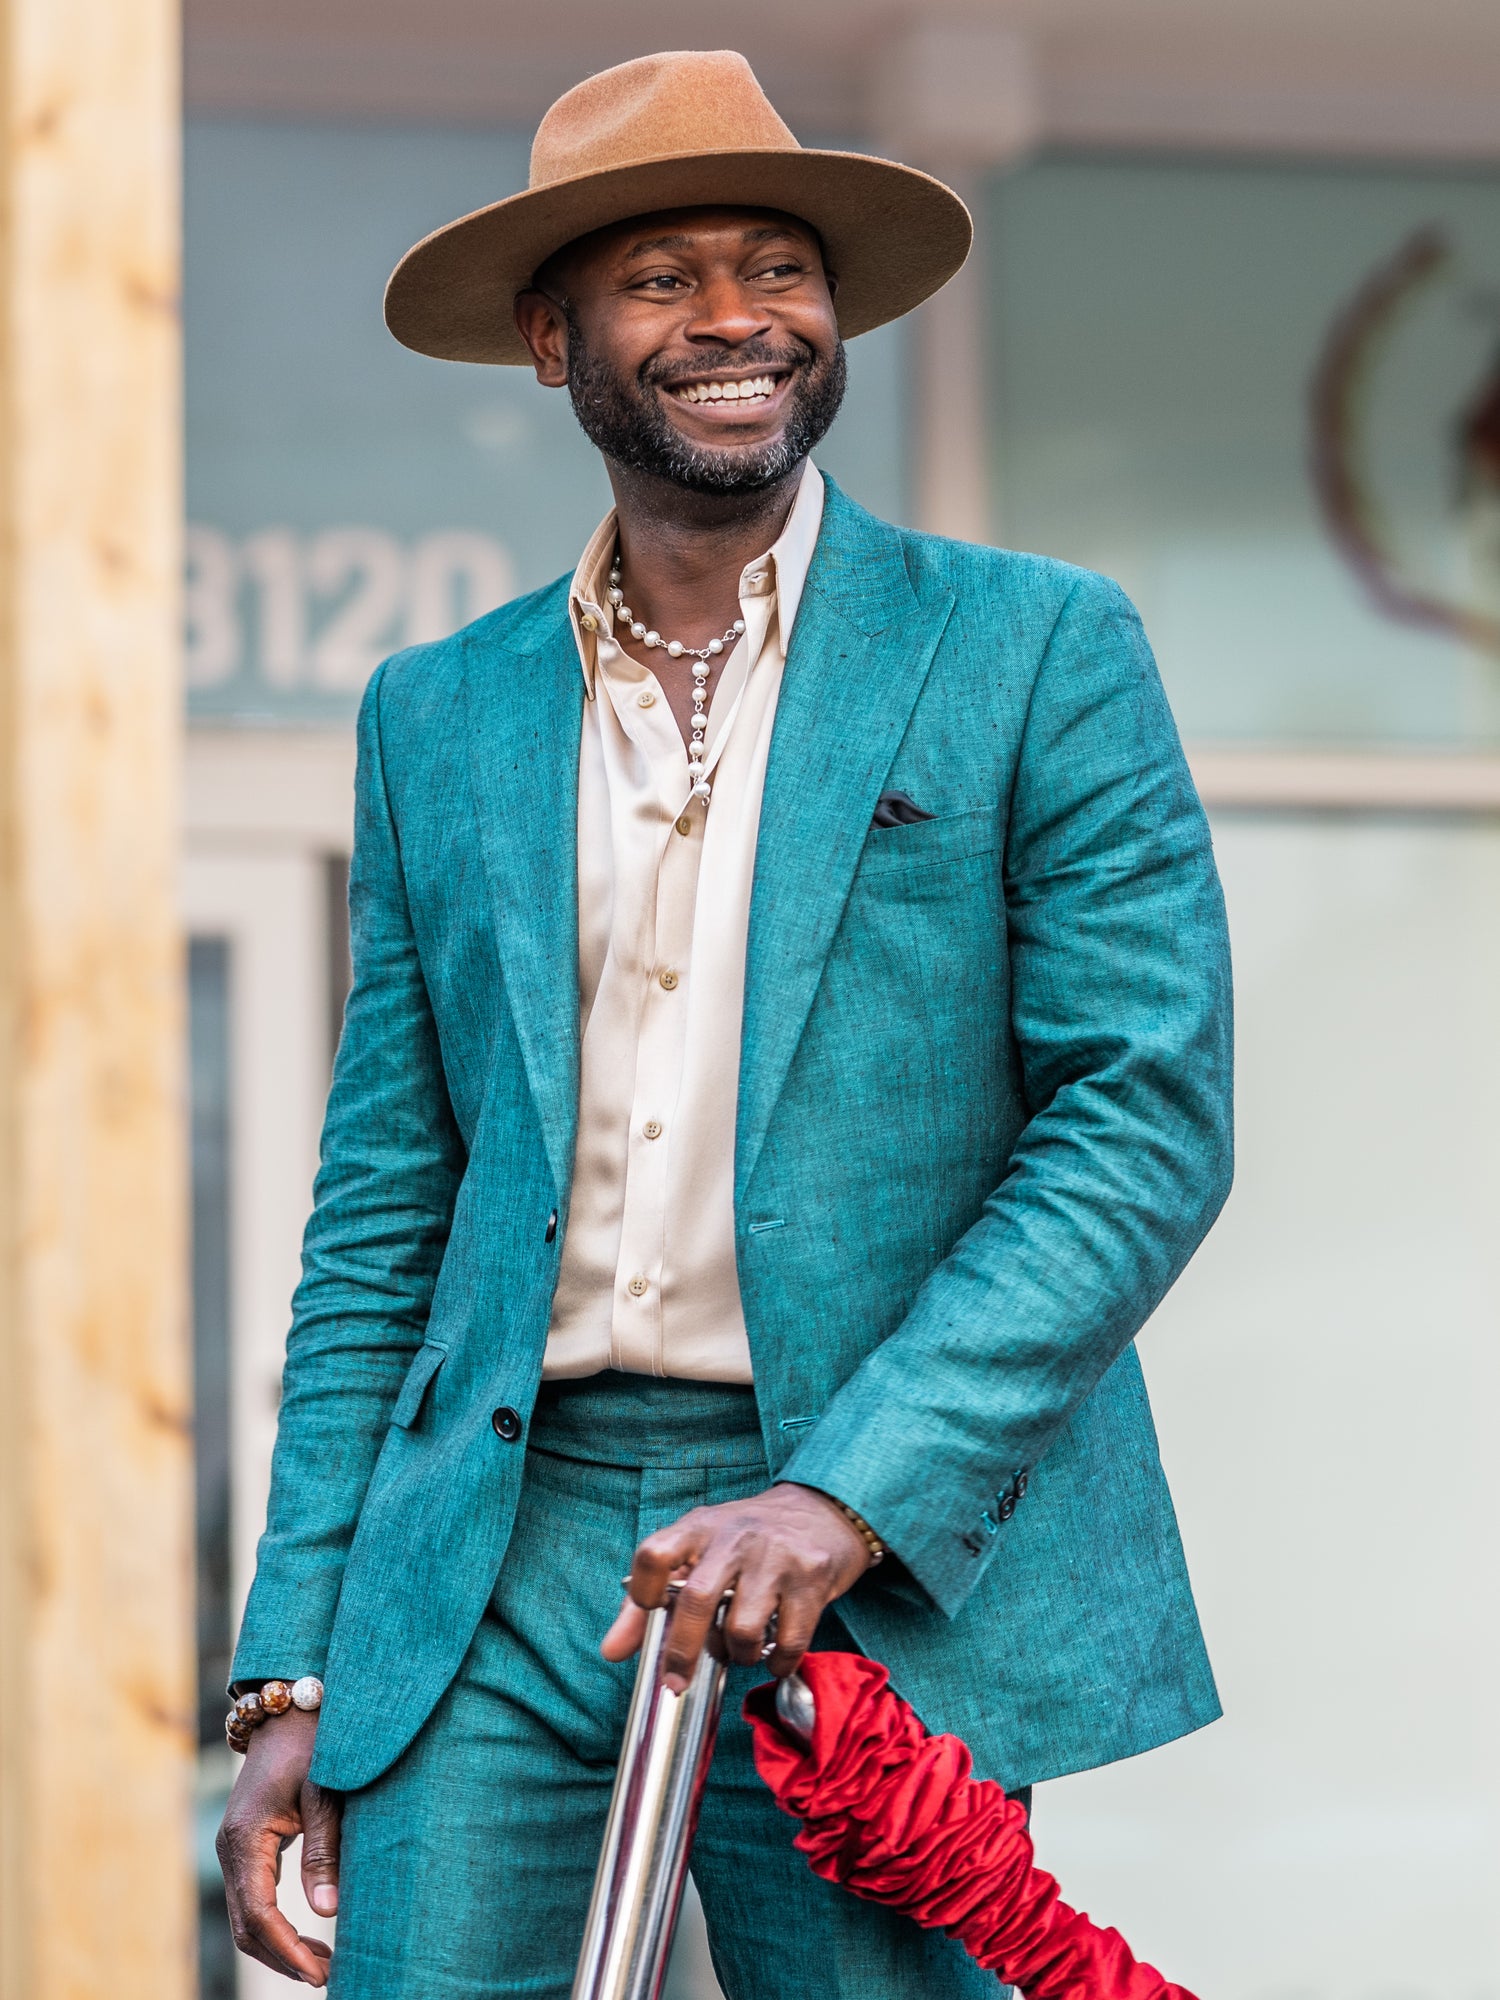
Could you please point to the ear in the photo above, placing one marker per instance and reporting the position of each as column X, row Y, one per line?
column 543, row 326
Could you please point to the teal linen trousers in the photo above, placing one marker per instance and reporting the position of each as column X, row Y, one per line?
column 467, row 1866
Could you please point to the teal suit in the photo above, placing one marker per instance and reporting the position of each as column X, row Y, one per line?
column 984, row 1120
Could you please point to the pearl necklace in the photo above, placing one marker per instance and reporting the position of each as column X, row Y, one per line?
column 677, row 651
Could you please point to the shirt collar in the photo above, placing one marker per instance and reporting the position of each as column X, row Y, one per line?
column 787, row 562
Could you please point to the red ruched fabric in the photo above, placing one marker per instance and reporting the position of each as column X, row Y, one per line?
column 894, row 1815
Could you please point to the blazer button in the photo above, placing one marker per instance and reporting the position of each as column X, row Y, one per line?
column 1019, row 1485
column 1006, row 1506
column 507, row 1423
column 551, row 1227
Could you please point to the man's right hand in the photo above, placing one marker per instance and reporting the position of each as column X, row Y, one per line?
column 272, row 1802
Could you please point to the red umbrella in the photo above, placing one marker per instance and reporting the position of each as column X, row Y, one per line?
column 894, row 1815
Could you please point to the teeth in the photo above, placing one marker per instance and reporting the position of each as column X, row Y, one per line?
column 756, row 390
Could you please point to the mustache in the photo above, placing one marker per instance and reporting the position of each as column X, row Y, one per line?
column 752, row 354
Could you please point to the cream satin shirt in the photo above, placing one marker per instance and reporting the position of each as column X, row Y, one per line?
column 648, row 1282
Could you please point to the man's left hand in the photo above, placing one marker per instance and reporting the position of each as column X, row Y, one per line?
column 787, row 1551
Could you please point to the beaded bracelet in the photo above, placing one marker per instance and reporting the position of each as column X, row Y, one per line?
column 275, row 1698
column 863, row 1529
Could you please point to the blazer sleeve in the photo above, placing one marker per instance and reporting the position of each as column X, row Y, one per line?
column 1121, row 1013
column 391, row 1163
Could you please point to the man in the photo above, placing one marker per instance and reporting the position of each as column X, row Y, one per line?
column 787, row 1061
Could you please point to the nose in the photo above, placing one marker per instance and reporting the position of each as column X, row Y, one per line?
column 727, row 315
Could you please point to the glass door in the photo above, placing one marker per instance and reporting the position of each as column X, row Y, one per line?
column 264, row 973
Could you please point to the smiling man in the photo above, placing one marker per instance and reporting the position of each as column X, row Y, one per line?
column 787, row 1061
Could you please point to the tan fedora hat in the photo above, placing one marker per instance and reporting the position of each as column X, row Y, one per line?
column 630, row 141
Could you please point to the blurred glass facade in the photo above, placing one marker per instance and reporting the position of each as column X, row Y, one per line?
column 345, row 496
column 1264, row 396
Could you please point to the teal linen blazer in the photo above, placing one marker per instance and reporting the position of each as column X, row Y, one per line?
column 984, row 1120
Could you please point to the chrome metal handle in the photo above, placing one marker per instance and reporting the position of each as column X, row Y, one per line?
column 653, row 1815
column 796, row 1710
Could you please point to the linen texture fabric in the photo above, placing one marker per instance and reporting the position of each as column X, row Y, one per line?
column 466, row 1869
column 983, row 1121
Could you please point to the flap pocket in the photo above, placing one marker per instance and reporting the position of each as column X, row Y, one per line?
column 948, row 837
column 428, row 1359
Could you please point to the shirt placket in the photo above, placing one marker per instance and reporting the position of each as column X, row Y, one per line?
column 757, row 606
column 642, row 1287
column 644, row 1294
column 659, row 951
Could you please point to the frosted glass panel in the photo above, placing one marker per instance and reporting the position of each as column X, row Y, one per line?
column 1179, row 345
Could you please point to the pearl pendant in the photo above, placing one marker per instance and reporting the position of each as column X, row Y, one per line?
column 675, row 647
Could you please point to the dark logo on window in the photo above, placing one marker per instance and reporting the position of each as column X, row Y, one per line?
column 1441, row 572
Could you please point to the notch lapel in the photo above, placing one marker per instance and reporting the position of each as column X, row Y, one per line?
column 525, row 714
column 860, row 653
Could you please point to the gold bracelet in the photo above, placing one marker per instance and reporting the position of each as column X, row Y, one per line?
column 863, row 1529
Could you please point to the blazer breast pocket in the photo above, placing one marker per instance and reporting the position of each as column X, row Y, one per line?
column 428, row 1359
column 926, row 843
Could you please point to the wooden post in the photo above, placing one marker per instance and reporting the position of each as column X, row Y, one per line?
column 96, row 1735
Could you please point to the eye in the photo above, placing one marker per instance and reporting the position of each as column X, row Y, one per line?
column 660, row 281
column 784, row 267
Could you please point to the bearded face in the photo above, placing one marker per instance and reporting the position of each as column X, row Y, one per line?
column 630, row 417
column 702, row 347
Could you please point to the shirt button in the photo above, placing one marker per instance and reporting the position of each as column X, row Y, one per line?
column 668, row 979
column 652, row 1129
column 589, row 622
column 645, row 699
column 684, row 825
column 638, row 1286
column 507, row 1423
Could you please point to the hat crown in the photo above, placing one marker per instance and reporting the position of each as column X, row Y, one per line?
column 654, row 108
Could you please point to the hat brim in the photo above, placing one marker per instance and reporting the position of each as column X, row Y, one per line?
column 891, row 235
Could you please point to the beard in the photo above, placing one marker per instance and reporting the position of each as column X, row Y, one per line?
column 627, row 423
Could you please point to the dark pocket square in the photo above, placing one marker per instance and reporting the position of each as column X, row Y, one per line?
column 896, row 809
